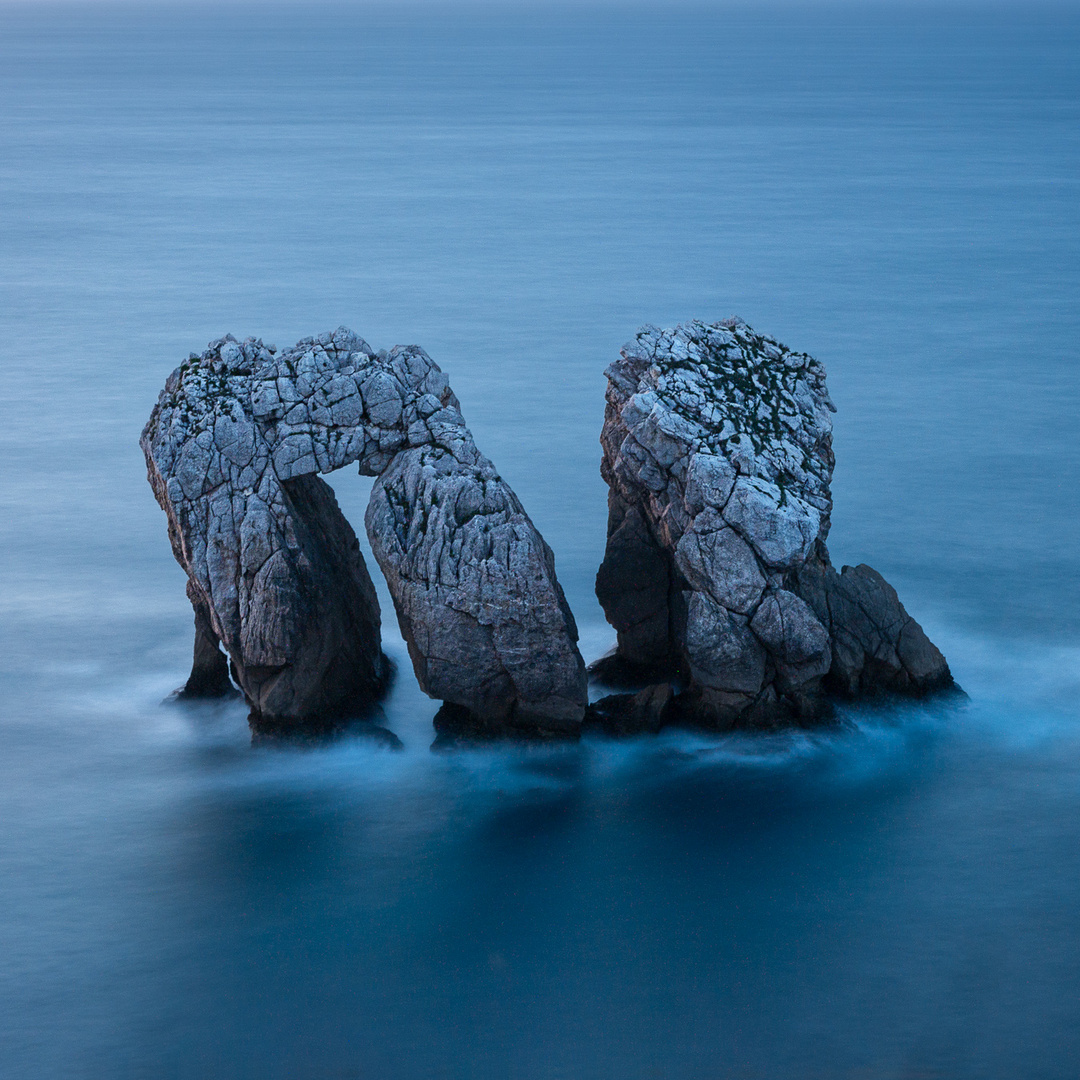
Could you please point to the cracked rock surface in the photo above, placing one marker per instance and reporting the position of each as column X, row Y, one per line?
column 275, row 573
column 718, row 456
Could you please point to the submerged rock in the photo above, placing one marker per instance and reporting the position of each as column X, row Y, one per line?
column 233, row 448
column 718, row 455
column 648, row 710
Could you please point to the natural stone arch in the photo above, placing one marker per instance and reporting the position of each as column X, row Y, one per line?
column 275, row 574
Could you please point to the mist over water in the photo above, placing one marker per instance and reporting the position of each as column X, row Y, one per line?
column 893, row 189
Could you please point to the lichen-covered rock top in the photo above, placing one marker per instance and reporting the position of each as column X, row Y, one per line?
column 325, row 403
column 330, row 401
column 754, row 414
column 743, row 395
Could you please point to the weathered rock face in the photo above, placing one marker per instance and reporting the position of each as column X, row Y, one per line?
column 718, row 455
column 232, row 450
column 475, row 589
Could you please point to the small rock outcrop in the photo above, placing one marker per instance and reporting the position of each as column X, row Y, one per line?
column 718, row 455
column 233, row 449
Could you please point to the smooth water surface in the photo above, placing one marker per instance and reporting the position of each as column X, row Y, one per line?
column 517, row 188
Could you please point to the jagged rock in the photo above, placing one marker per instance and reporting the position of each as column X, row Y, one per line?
column 718, row 456
column 232, row 450
column 633, row 714
column 876, row 644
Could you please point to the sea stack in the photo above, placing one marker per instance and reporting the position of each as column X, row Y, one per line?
column 717, row 451
column 234, row 448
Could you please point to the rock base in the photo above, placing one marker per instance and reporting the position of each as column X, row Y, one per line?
column 457, row 726
column 272, row 733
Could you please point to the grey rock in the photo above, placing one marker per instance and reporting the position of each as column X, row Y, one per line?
column 780, row 527
column 275, row 571
column 718, row 454
column 710, row 542
column 789, row 629
column 722, row 651
column 876, row 644
column 797, row 640
column 475, row 589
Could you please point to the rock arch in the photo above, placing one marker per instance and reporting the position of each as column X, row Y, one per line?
column 234, row 447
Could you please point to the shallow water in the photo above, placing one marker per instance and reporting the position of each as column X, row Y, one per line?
column 893, row 189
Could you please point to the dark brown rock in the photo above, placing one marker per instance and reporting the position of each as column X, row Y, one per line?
column 647, row 711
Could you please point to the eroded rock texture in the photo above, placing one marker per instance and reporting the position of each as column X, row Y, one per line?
column 718, row 455
column 233, row 448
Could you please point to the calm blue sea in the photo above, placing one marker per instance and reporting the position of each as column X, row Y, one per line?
column 517, row 187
